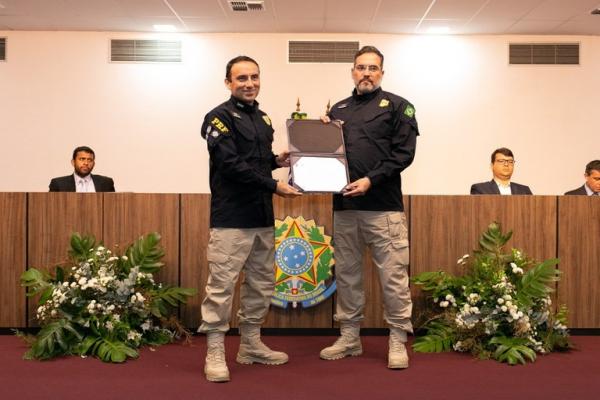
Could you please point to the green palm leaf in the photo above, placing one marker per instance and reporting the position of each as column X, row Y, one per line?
column 439, row 338
column 512, row 350
column 535, row 283
column 146, row 253
column 56, row 338
column 169, row 296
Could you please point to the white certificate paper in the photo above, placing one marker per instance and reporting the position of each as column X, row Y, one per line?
column 320, row 174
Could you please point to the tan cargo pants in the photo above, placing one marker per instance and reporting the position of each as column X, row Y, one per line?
column 229, row 252
column 386, row 233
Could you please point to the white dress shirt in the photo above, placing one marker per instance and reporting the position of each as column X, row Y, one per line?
column 84, row 185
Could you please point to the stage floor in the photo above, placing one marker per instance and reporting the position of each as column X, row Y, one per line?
column 176, row 372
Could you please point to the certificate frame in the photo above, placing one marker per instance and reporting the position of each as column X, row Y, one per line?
column 318, row 161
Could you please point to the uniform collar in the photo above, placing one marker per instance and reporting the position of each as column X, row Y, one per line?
column 245, row 107
column 367, row 96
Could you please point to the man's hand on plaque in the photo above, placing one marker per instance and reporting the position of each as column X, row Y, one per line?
column 357, row 188
column 285, row 190
column 283, row 159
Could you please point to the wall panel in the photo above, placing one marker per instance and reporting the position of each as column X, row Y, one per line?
column 13, row 253
column 579, row 252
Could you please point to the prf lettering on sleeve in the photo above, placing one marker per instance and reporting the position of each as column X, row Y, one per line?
column 216, row 122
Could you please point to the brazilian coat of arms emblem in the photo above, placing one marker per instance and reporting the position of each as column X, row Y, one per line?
column 303, row 261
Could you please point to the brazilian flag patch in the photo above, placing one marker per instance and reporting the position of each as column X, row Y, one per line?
column 384, row 103
column 409, row 111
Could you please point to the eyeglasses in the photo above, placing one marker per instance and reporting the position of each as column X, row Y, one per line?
column 505, row 162
column 363, row 68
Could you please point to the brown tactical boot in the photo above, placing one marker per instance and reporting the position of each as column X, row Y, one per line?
column 348, row 344
column 253, row 350
column 215, row 367
column 397, row 356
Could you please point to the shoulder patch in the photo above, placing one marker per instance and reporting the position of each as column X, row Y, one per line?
column 409, row 111
column 266, row 119
column 384, row 103
column 220, row 126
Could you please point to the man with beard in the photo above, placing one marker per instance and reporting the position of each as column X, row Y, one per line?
column 82, row 179
column 239, row 137
column 380, row 135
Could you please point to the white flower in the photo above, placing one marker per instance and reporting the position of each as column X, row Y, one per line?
column 82, row 281
column 146, row 325
column 109, row 325
column 500, row 300
column 444, row 304
column 507, row 297
column 504, row 308
column 124, row 258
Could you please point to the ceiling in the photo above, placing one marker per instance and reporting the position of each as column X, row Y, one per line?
column 571, row 17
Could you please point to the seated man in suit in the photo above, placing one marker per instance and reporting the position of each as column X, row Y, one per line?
column 591, row 187
column 503, row 165
column 82, row 179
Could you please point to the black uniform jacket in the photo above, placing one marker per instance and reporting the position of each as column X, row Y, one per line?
column 239, row 138
column 380, row 135
column 67, row 184
column 492, row 188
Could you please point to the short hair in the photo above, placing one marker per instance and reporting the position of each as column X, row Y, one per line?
column 236, row 60
column 592, row 166
column 504, row 151
column 369, row 49
column 85, row 149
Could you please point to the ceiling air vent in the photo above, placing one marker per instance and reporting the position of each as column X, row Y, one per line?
column 548, row 53
column 322, row 52
column 247, row 5
column 2, row 49
column 145, row 50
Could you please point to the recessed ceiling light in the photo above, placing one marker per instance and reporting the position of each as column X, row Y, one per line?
column 438, row 30
column 165, row 28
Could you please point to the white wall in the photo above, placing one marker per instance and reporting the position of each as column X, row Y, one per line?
column 58, row 90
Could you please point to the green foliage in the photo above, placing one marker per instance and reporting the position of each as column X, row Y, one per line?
column 499, row 308
column 535, row 282
column 106, row 349
column 35, row 281
column 82, row 247
column 103, row 304
column 512, row 350
column 493, row 240
column 167, row 296
column 439, row 337
column 146, row 253
column 56, row 338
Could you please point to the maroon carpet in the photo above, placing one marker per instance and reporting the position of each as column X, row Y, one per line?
column 175, row 372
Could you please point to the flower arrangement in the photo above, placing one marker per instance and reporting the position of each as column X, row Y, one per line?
column 103, row 304
column 499, row 308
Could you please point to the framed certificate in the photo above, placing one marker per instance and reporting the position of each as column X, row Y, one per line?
column 317, row 156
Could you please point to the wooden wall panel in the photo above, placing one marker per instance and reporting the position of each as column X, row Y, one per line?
column 53, row 217
column 444, row 228
column 579, row 252
column 128, row 216
column 309, row 206
column 195, row 219
column 13, row 253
